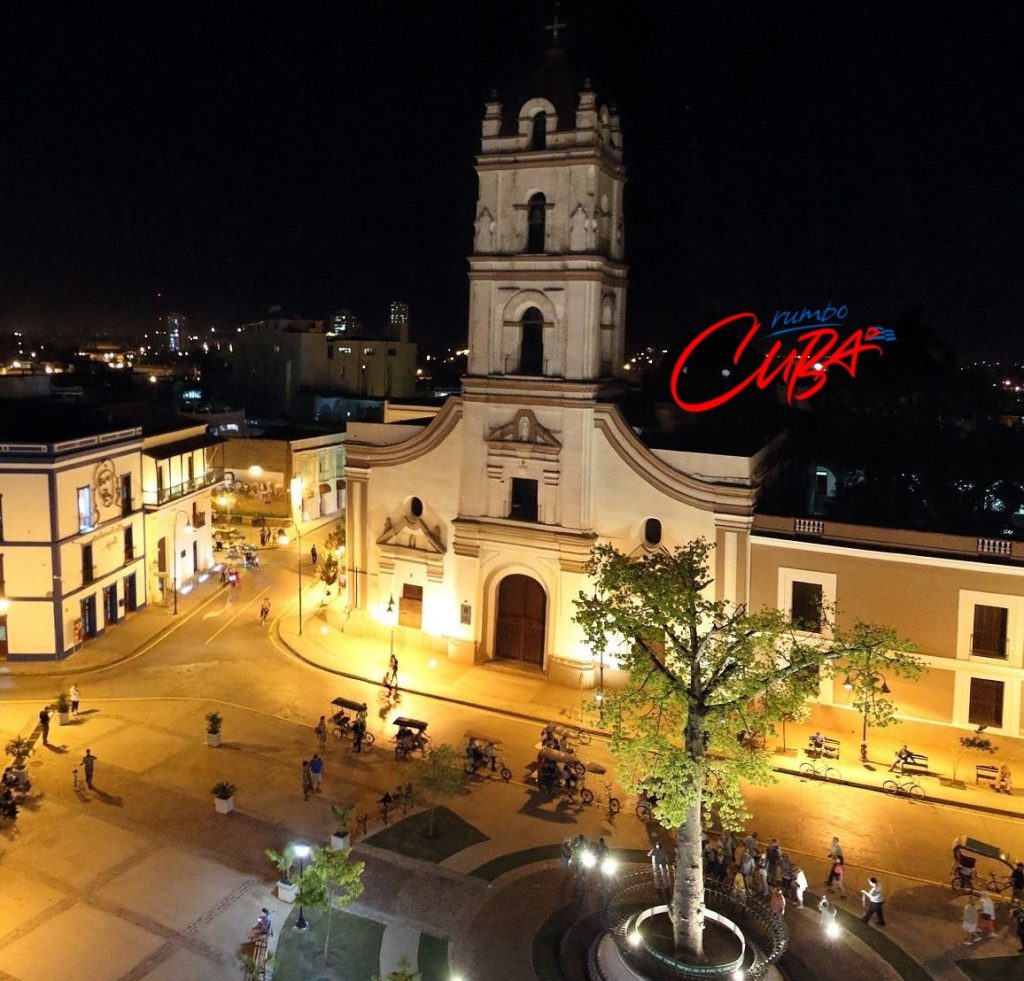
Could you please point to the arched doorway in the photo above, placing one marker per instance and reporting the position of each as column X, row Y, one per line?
column 522, row 613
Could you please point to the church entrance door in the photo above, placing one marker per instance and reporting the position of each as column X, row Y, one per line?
column 522, row 612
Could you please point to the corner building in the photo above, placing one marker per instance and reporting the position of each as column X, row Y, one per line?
column 478, row 525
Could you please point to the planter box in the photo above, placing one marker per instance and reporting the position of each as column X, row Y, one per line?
column 340, row 842
column 287, row 891
column 64, row 718
column 213, row 739
column 224, row 806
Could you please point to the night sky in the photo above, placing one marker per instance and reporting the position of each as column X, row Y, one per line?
column 234, row 156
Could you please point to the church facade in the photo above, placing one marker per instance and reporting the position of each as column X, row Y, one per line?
column 475, row 529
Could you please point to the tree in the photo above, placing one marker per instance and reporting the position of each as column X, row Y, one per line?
column 330, row 881
column 973, row 744
column 701, row 672
column 404, row 972
column 440, row 775
column 327, row 570
column 335, row 540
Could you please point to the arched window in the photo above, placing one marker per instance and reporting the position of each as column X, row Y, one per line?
column 415, row 507
column 652, row 532
column 539, row 140
column 531, row 349
column 537, row 214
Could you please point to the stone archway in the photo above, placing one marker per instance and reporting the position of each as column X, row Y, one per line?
column 520, row 626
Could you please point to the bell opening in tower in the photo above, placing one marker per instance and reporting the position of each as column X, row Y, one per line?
column 536, row 217
column 531, row 347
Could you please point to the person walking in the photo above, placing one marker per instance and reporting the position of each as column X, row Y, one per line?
column 307, row 781
column 1017, row 883
column 358, row 732
column 1018, row 914
column 828, row 914
column 835, row 854
column 987, row 917
column 44, row 726
column 761, row 876
column 739, row 885
column 970, row 922
column 264, row 611
column 777, row 902
column 89, row 763
column 321, row 732
column 312, row 554
column 316, row 772
column 837, row 878
column 75, row 696
column 747, row 871
column 566, row 857
column 393, row 666
column 799, row 885
column 659, row 866
column 874, row 895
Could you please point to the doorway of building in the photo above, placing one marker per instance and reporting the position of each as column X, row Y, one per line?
column 3, row 637
column 131, row 601
column 110, row 605
column 522, row 612
column 88, row 610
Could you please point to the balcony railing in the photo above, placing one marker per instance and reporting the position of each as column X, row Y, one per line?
column 174, row 491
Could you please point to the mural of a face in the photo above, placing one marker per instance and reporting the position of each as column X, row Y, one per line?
column 106, row 483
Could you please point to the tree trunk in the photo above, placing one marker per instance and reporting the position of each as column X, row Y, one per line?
column 327, row 931
column 688, row 895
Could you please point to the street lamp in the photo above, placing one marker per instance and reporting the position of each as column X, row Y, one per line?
column 301, row 853
column 391, row 623
column 174, row 542
column 867, row 679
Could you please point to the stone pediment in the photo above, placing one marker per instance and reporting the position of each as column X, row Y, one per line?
column 524, row 432
column 412, row 533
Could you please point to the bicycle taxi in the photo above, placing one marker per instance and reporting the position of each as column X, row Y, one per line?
column 559, row 771
column 482, row 753
column 342, row 722
column 410, row 738
column 966, row 876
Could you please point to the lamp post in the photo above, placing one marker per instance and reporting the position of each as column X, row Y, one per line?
column 865, row 680
column 301, row 853
column 391, row 623
column 174, row 542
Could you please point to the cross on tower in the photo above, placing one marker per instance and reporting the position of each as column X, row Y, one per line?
column 555, row 26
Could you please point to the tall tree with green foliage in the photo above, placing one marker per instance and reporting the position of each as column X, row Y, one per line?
column 330, row 881
column 700, row 673
column 440, row 774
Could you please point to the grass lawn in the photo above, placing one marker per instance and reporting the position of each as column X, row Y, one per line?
column 409, row 836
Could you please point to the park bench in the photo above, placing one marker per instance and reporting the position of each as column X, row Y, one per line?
column 828, row 751
column 915, row 761
column 256, row 965
column 983, row 771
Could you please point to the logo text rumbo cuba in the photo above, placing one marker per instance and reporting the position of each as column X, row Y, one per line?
column 805, row 345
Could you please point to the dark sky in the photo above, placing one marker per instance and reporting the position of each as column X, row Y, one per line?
column 231, row 156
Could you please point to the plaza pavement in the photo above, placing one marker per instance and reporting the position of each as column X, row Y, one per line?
column 141, row 879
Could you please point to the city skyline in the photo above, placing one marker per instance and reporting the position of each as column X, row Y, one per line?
column 776, row 159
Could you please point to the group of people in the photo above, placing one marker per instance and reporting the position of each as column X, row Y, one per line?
column 312, row 774
column 749, row 868
column 574, row 852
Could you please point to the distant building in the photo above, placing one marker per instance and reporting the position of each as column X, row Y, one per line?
column 398, row 319
column 343, row 323
column 175, row 327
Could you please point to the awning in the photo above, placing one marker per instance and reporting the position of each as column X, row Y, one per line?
column 166, row 450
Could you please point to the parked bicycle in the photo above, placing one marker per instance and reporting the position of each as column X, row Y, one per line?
column 819, row 770
column 904, row 788
column 645, row 806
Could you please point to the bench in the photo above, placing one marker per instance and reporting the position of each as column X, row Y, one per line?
column 915, row 761
column 983, row 771
column 829, row 749
column 256, row 962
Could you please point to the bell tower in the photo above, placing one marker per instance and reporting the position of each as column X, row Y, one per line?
column 547, row 278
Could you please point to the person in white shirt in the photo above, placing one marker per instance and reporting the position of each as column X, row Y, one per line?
column 799, row 885
column 986, row 917
column 875, row 898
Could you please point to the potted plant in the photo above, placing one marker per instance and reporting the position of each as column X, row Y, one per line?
column 213, row 724
column 284, row 861
column 19, row 747
column 341, row 838
column 224, row 797
column 63, row 707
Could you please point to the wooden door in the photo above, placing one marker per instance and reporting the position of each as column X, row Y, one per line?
column 522, row 612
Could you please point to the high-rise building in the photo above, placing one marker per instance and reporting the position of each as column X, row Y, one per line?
column 344, row 323
column 398, row 320
column 176, row 329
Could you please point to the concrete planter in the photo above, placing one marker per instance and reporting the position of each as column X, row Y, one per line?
column 64, row 718
column 213, row 739
column 340, row 842
column 287, row 891
column 224, row 806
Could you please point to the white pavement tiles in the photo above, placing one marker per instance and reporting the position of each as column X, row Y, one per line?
column 398, row 941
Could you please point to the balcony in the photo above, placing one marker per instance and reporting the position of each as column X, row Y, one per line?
column 164, row 495
column 989, row 645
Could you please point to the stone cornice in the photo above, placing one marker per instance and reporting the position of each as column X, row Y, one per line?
column 366, row 455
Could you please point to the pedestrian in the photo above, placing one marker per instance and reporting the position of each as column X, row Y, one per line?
column 799, row 885
column 264, row 923
column 838, row 878
column 307, row 781
column 828, row 914
column 777, row 902
column 987, row 917
column 874, row 897
column 761, row 875
column 728, row 844
column 393, row 666
column 312, row 554
column 358, row 732
column 1017, row 882
column 566, row 855
column 89, row 762
column 44, row 726
column 391, row 684
column 747, row 871
column 1018, row 915
column 264, row 611
column 659, row 866
column 970, row 922
column 75, row 696
column 774, row 854
column 835, row 854
column 1004, row 782
column 321, row 732
column 752, row 844
column 316, row 771
column 739, row 885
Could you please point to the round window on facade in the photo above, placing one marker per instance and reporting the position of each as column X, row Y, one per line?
column 652, row 532
column 415, row 507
